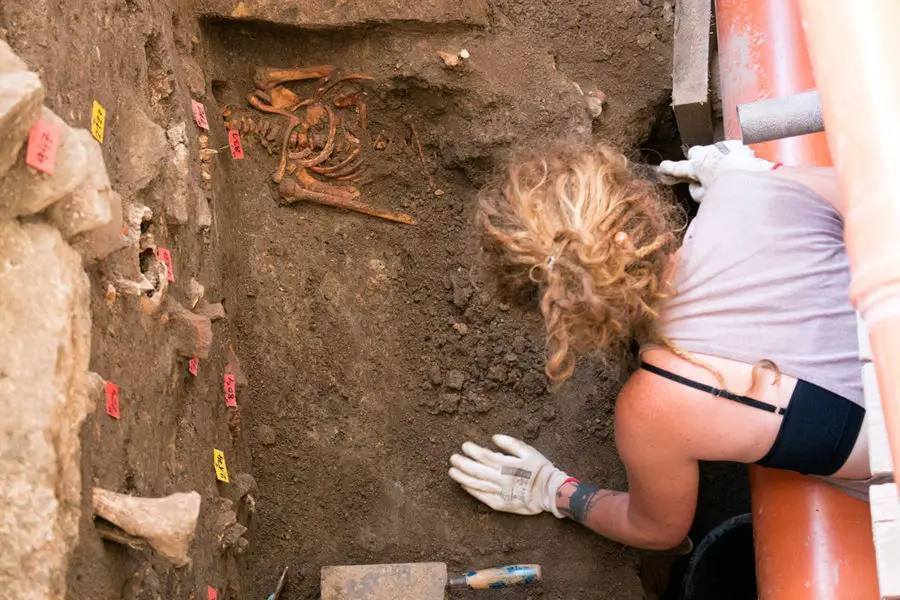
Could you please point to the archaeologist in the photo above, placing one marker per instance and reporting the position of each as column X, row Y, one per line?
column 748, row 342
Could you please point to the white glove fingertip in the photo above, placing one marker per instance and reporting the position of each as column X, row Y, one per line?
column 512, row 445
column 485, row 456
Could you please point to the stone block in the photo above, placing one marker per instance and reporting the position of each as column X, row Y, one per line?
column 26, row 191
column 102, row 241
column 233, row 367
column 144, row 149
column 191, row 333
column 44, row 350
column 410, row 581
column 21, row 97
column 88, row 206
column 204, row 212
column 9, row 60
column 214, row 311
column 176, row 200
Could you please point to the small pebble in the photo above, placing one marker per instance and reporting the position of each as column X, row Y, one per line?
column 461, row 328
column 438, row 193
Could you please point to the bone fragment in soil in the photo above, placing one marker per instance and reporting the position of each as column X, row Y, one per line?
column 267, row 78
column 165, row 524
column 292, row 192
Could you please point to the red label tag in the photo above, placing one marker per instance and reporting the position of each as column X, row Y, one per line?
column 193, row 364
column 43, row 142
column 112, row 399
column 166, row 256
column 211, row 593
column 234, row 141
column 230, row 395
column 200, row 114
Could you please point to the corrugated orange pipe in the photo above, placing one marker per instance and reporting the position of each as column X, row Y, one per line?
column 812, row 541
column 855, row 51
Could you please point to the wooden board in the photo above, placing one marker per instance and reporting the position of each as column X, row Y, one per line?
column 409, row 581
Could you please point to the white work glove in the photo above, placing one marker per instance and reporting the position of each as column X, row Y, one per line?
column 523, row 482
column 706, row 163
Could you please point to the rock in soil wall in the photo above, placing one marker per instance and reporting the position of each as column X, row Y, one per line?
column 44, row 352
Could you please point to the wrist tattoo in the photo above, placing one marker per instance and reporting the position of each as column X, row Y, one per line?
column 583, row 500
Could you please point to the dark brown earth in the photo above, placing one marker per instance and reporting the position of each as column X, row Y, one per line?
column 372, row 350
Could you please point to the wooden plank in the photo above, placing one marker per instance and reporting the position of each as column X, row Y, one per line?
column 690, row 71
column 410, row 581
column 885, row 505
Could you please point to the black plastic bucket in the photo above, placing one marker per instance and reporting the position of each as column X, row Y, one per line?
column 723, row 564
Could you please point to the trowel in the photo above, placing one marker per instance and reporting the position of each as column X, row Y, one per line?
column 417, row 581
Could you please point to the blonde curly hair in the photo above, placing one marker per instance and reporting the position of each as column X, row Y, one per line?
column 594, row 238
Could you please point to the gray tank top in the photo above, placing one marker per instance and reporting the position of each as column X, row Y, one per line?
column 763, row 274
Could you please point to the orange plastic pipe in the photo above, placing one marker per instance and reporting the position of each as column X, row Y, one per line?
column 855, row 51
column 812, row 541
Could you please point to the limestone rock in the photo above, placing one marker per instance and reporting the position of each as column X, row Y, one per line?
column 90, row 205
column 196, row 80
column 204, row 213
column 214, row 311
column 196, row 290
column 144, row 148
column 191, row 333
column 26, row 191
column 233, row 366
column 21, row 97
column 102, row 241
column 9, row 61
column 44, row 350
column 176, row 186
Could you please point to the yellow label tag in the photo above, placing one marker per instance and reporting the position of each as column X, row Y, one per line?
column 98, row 121
column 219, row 464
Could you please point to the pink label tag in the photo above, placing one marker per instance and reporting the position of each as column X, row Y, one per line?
column 230, row 395
column 200, row 114
column 234, row 141
column 211, row 593
column 166, row 256
column 43, row 142
column 112, row 399
column 193, row 365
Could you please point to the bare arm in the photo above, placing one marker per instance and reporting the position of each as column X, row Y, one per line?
column 821, row 180
column 658, row 510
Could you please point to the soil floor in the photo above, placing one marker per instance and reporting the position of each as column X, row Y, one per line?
column 371, row 349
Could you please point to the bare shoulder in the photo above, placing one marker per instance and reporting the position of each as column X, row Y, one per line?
column 652, row 408
column 654, row 412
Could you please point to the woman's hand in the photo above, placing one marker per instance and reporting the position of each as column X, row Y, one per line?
column 523, row 482
column 706, row 163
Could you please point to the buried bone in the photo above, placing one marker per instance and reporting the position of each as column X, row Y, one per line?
column 292, row 192
column 165, row 524
column 267, row 78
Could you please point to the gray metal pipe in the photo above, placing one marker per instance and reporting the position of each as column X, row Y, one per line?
column 779, row 118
